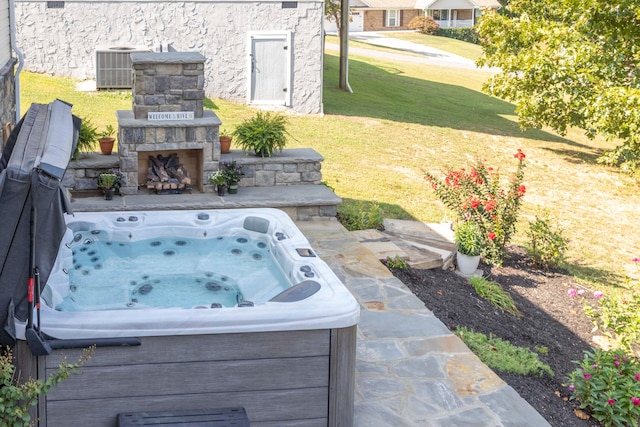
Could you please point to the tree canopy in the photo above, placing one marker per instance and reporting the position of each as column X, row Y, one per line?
column 570, row 63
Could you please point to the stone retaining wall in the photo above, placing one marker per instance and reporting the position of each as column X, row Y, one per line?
column 7, row 96
column 295, row 166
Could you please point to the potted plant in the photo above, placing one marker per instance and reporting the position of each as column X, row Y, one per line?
column 86, row 138
column 225, row 141
column 263, row 134
column 218, row 179
column 109, row 183
column 106, row 140
column 233, row 173
column 469, row 242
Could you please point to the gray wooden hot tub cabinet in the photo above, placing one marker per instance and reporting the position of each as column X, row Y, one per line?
column 288, row 378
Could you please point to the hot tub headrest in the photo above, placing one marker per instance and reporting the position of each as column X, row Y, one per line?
column 257, row 224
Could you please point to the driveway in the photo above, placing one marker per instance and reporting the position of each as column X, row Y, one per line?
column 425, row 55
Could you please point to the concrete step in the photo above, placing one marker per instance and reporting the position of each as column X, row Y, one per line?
column 301, row 202
column 421, row 245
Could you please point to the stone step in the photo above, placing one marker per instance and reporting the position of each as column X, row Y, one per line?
column 301, row 202
column 421, row 245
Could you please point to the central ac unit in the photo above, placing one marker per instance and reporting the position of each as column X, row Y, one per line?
column 113, row 66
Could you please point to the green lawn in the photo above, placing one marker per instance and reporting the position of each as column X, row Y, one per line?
column 404, row 119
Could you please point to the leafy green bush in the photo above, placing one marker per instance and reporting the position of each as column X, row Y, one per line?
column 607, row 383
column 475, row 195
column 492, row 292
column 16, row 397
column 361, row 216
column 618, row 317
column 465, row 34
column 263, row 134
column 546, row 245
column 503, row 356
column 424, row 25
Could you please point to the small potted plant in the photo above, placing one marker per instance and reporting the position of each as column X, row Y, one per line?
column 218, row 179
column 233, row 173
column 469, row 242
column 109, row 183
column 225, row 141
column 263, row 134
column 106, row 140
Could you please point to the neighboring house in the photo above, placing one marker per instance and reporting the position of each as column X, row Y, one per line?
column 261, row 52
column 7, row 78
column 378, row 15
column 456, row 13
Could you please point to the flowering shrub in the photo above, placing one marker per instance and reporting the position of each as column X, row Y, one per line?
column 475, row 195
column 608, row 384
column 232, row 171
column 618, row 317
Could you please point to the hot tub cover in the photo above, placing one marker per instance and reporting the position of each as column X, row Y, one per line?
column 32, row 165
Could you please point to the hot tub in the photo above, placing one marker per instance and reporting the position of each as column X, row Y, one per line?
column 233, row 308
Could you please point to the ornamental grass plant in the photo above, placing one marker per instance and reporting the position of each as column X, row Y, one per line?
column 475, row 195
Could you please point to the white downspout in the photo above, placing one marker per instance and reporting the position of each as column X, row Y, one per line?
column 16, row 49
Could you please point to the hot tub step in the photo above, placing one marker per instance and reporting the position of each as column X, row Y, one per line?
column 217, row 417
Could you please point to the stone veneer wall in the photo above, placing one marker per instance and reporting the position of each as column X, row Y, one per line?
column 167, row 82
column 7, row 96
column 63, row 41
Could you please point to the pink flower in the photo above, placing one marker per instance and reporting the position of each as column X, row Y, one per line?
column 572, row 292
column 580, row 291
column 598, row 294
column 594, row 366
column 572, row 387
column 635, row 401
column 611, row 402
column 587, row 376
column 636, row 377
column 519, row 155
column 616, row 363
column 636, row 260
column 491, row 235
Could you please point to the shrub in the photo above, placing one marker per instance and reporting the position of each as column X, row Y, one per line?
column 618, row 317
column 16, row 397
column 465, row 34
column 607, row 383
column 424, row 25
column 361, row 216
column 546, row 245
column 503, row 356
column 475, row 195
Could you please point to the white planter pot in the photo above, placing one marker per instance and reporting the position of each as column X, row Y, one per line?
column 467, row 265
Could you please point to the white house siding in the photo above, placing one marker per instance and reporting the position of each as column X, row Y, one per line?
column 7, row 97
column 63, row 41
column 451, row 4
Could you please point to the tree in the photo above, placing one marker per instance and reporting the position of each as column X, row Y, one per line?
column 570, row 63
column 332, row 12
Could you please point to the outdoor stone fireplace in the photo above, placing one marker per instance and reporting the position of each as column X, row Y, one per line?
column 167, row 118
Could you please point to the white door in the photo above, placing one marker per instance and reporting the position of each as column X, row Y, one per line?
column 269, row 68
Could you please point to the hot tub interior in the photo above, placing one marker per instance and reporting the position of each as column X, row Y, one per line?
column 177, row 259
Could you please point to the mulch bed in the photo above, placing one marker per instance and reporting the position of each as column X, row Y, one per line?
column 549, row 318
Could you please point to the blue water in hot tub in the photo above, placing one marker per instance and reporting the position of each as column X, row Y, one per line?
column 165, row 272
